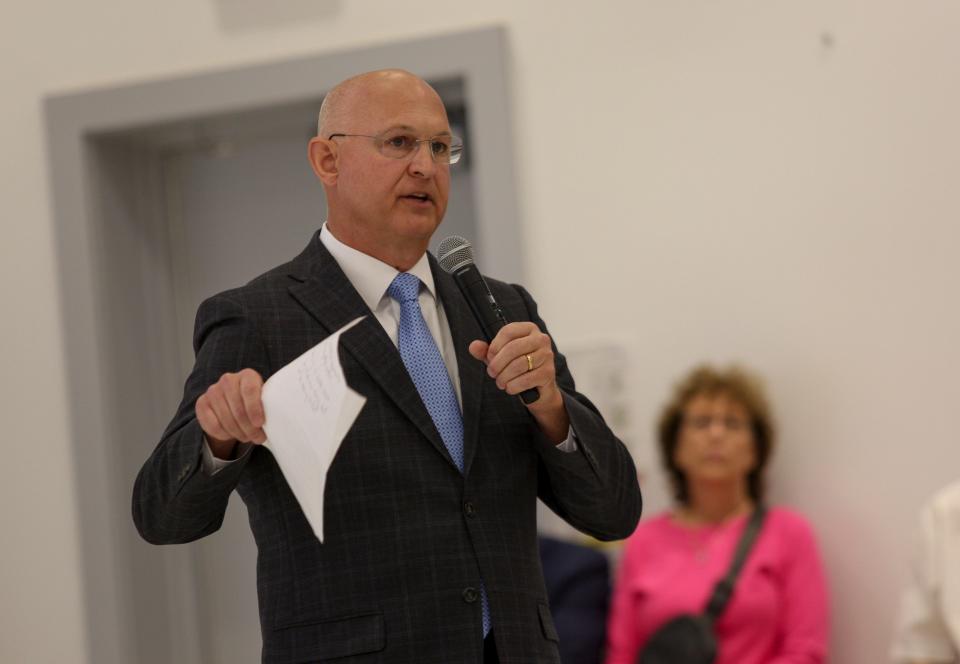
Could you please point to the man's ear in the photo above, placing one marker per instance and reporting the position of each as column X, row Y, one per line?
column 323, row 157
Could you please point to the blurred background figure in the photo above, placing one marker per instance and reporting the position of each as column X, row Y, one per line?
column 928, row 629
column 578, row 587
column 716, row 436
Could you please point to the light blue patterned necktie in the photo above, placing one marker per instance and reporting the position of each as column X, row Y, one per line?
column 423, row 361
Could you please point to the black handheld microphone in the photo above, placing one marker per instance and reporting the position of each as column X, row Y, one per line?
column 455, row 255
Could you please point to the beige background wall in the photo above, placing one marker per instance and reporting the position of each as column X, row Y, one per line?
column 770, row 182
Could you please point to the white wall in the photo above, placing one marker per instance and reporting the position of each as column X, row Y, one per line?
column 768, row 182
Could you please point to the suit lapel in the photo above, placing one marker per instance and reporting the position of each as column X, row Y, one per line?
column 325, row 292
column 463, row 329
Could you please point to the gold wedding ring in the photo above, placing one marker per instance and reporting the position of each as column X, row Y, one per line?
column 529, row 363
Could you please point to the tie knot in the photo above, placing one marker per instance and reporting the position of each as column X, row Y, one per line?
column 405, row 287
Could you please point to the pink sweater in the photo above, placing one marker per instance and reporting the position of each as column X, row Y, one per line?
column 778, row 613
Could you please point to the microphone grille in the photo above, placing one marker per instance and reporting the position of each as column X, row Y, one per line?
column 454, row 253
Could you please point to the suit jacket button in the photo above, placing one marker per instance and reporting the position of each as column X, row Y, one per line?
column 470, row 595
column 469, row 509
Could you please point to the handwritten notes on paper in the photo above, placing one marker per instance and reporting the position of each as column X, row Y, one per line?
column 309, row 408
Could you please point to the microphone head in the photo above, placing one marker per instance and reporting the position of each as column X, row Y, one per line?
column 454, row 253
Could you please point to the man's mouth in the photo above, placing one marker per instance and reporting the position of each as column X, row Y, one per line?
column 423, row 198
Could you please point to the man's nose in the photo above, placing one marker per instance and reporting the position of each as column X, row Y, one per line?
column 422, row 163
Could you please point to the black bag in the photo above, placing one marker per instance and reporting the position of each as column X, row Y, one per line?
column 689, row 638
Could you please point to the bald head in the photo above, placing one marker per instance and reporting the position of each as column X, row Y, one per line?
column 384, row 205
column 354, row 97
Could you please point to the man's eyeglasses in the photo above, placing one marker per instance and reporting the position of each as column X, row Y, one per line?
column 443, row 149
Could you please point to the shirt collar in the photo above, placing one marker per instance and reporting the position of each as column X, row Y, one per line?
column 371, row 277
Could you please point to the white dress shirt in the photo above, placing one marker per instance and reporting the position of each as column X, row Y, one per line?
column 928, row 627
column 371, row 278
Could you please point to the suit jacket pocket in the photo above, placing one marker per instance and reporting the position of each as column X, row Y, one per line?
column 337, row 637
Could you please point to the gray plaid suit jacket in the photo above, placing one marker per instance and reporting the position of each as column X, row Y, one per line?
column 407, row 537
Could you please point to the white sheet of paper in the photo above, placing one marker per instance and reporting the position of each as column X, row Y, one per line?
column 308, row 408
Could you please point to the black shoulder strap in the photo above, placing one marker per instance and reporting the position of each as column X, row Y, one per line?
column 724, row 588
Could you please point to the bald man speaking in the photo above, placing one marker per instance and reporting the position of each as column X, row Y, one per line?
column 430, row 550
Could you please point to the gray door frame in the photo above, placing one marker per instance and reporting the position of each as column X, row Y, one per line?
column 116, row 288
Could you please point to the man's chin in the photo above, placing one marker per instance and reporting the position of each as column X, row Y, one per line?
column 418, row 225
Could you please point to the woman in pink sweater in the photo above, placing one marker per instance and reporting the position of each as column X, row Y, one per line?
column 716, row 436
